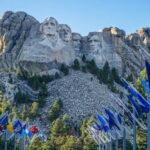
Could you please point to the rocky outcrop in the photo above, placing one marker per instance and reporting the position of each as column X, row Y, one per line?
column 41, row 47
column 14, row 30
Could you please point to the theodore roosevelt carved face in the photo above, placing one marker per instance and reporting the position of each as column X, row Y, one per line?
column 76, row 40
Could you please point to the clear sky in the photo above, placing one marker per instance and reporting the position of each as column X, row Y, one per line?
column 85, row 16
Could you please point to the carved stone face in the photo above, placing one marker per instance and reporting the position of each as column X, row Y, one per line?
column 134, row 40
column 49, row 27
column 94, row 42
column 76, row 40
column 65, row 33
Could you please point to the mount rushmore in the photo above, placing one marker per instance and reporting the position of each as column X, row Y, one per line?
column 41, row 47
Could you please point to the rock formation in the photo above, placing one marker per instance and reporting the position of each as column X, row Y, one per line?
column 41, row 47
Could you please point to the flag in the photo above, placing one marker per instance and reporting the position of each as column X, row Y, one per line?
column 42, row 135
column 17, row 127
column 136, row 106
column 23, row 133
column 4, row 121
column 97, row 127
column 136, row 94
column 111, row 120
column 148, row 71
column 33, row 129
column 1, row 128
column 119, row 118
column 146, row 86
column 103, row 122
column 28, row 133
column 10, row 126
column 126, row 112
column 144, row 109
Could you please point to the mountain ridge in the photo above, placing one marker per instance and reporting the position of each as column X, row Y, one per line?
column 41, row 47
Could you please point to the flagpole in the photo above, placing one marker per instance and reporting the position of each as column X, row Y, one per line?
column 15, row 141
column 148, row 134
column 106, row 146
column 111, row 144
column 116, row 141
column 102, row 146
column 124, row 133
column 99, row 144
column 134, row 132
column 5, row 146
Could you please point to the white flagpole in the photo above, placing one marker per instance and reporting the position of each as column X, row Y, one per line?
column 15, row 141
column 5, row 146
column 134, row 132
column 148, row 120
column 116, row 141
column 124, row 134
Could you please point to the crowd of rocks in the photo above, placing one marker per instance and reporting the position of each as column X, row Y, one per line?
column 81, row 93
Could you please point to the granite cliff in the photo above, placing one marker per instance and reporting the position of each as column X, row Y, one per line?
column 42, row 47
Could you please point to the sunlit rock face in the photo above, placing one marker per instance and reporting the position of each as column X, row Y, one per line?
column 145, row 36
column 134, row 40
column 99, row 47
column 48, row 48
column 42, row 47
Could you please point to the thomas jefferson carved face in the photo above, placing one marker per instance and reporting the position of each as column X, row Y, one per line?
column 76, row 40
column 65, row 33
column 94, row 42
column 49, row 27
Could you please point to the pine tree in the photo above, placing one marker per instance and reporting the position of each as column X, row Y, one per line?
column 34, row 109
column 83, row 58
column 25, row 113
column 76, row 65
column 15, row 112
column 55, row 110
column 64, row 69
column 89, row 143
column 58, row 128
column 72, row 143
column 106, row 71
column 57, row 76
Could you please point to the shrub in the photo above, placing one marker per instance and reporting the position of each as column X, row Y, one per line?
column 76, row 65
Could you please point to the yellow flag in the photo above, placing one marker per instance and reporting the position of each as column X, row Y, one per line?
column 10, row 126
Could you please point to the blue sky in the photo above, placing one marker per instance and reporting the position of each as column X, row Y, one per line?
column 84, row 16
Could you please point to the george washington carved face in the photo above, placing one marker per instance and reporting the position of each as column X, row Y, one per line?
column 49, row 27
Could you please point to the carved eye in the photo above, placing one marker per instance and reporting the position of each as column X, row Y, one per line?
column 52, row 24
column 46, row 23
column 95, row 40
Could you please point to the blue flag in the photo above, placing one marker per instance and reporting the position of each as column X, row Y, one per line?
column 4, row 121
column 148, row 71
column 17, row 127
column 146, row 86
column 136, row 94
column 96, row 128
column 111, row 119
column 119, row 118
column 103, row 122
column 136, row 106
column 144, row 109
